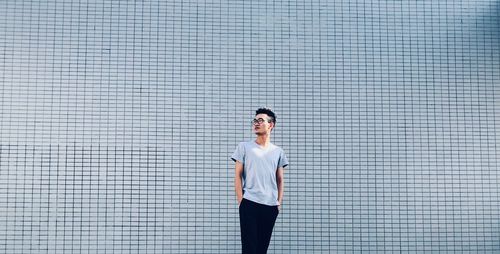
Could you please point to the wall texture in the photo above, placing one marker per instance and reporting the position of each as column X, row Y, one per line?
column 117, row 120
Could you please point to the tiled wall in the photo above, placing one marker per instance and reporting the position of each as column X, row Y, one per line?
column 117, row 120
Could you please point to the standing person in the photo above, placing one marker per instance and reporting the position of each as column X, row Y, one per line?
column 259, row 183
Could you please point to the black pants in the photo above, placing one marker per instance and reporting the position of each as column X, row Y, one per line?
column 256, row 225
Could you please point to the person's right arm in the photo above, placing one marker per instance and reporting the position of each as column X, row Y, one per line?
column 238, row 175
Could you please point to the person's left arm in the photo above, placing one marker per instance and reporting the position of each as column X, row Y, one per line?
column 280, row 180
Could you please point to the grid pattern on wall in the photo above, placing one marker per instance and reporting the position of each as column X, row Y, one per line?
column 117, row 120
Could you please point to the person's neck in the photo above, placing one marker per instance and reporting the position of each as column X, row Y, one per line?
column 263, row 140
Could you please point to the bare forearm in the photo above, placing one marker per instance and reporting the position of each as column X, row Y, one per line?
column 237, row 188
column 238, row 182
column 280, row 181
column 281, row 189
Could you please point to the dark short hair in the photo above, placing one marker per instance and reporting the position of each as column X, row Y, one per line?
column 268, row 112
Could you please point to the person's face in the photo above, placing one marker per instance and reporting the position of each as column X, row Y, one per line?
column 261, row 124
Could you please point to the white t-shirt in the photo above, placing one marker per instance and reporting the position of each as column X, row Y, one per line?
column 259, row 171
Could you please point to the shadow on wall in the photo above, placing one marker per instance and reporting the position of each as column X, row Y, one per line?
column 485, row 31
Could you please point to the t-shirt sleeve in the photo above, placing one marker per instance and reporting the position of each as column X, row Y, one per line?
column 283, row 162
column 239, row 153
